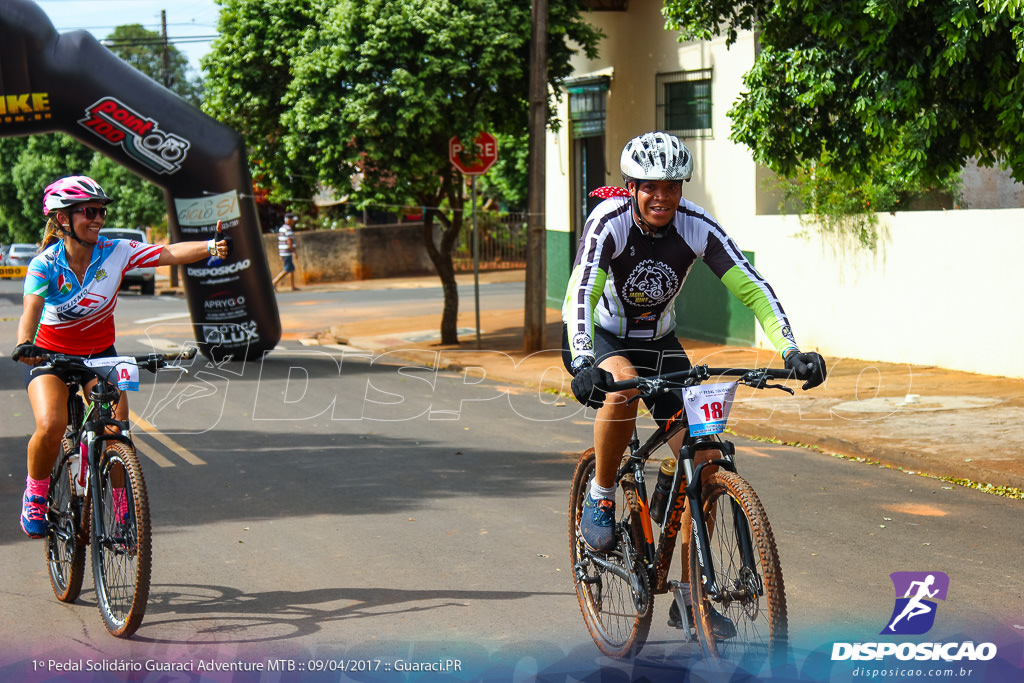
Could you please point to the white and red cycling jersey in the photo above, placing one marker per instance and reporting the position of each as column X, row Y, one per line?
column 78, row 317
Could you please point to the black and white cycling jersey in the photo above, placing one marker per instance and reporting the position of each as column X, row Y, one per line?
column 626, row 280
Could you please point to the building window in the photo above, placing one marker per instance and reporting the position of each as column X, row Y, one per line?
column 587, row 107
column 684, row 103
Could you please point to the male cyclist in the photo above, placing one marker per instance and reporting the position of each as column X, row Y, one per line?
column 68, row 307
column 619, row 310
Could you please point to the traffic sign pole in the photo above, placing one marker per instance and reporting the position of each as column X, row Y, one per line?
column 486, row 148
column 476, row 257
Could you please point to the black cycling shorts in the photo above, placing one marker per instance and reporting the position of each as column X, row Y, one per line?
column 649, row 357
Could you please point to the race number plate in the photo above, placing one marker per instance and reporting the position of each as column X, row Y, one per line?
column 707, row 407
column 126, row 368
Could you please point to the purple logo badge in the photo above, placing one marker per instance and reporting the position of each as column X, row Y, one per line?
column 916, row 593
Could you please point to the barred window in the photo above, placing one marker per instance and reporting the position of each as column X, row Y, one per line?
column 684, row 103
column 587, row 106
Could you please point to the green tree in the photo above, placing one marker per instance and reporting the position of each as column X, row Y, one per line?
column 143, row 50
column 862, row 106
column 379, row 88
column 248, row 71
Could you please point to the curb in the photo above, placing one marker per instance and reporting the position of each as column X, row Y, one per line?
column 902, row 459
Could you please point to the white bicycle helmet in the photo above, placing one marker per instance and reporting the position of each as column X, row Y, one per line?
column 655, row 156
column 60, row 194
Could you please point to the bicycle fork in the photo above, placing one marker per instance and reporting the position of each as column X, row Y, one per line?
column 698, row 526
column 95, row 443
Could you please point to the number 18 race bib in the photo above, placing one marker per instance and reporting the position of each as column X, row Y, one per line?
column 707, row 407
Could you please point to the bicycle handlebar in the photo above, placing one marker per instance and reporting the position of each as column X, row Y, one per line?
column 149, row 361
column 757, row 378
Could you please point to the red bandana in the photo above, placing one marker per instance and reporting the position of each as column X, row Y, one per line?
column 607, row 192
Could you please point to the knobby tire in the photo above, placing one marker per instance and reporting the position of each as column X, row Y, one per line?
column 65, row 546
column 760, row 616
column 122, row 558
column 617, row 617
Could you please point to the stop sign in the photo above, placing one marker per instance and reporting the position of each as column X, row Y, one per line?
column 478, row 159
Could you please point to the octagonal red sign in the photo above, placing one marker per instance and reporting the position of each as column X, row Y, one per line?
column 477, row 159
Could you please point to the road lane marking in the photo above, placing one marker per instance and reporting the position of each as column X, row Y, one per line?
column 162, row 318
column 174, row 446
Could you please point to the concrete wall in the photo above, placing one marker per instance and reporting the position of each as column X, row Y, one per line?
column 355, row 253
column 923, row 297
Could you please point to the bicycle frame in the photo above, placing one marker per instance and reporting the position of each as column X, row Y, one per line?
column 687, row 488
column 732, row 560
column 89, row 424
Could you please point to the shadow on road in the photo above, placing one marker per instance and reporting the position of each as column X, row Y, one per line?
column 229, row 615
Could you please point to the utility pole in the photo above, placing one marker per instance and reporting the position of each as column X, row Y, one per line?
column 166, row 51
column 536, row 248
column 167, row 84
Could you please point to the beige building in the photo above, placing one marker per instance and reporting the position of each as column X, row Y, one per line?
column 921, row 297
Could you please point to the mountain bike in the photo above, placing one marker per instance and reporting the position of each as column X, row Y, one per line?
column 97, row 493
column 733, row 561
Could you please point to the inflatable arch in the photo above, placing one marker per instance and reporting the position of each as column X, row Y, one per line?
column 70, row 83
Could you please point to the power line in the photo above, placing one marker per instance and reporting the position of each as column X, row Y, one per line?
column 132, row 42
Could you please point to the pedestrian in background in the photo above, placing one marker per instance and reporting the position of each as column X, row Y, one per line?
column 286, row 249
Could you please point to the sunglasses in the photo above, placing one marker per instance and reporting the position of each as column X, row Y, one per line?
column 91, row 212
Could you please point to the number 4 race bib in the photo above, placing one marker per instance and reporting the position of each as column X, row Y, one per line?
column 126, row 368
column 707, row 407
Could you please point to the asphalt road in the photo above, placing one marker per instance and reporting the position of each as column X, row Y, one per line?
column 324, row 504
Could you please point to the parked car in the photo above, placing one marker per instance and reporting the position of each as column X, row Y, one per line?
column 20, row 254
column 143, row 278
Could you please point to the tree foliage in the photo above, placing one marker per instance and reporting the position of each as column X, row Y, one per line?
column 248, row 71
column 885, row 99
column 366, row 95
column 142, row 49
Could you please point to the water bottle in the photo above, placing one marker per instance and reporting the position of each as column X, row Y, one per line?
column 83, row 468
column 662, row 489
column 74, row 468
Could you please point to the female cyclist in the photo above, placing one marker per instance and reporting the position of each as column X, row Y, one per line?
column 68, row 307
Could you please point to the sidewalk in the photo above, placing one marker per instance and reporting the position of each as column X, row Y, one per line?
column 917, row 418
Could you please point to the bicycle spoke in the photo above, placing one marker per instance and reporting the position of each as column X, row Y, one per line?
column 122, row 555
column 751, row 593
column 617, row 615
column 65, row 556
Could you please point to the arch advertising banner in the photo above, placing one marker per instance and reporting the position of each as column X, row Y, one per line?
column 70, row 83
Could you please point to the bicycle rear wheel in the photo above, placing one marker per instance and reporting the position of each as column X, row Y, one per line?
column 613, row 589
column 122, row 556
column 751, row 595
column 65, row 549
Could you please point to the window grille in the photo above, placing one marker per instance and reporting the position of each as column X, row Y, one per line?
column 684, row 103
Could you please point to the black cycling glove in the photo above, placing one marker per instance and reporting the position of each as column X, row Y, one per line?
column 807, row 366
column 588, row 386
column 25, row 350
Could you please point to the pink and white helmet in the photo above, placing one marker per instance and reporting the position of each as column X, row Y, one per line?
column 72, row 190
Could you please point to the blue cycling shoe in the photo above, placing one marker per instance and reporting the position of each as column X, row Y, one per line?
column 33, row 516
column 597, row 525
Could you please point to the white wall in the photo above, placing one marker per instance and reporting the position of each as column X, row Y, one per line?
column 941, row 289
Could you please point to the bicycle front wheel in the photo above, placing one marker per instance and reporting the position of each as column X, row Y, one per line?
column 612, row 588
column 750, row 593
column 121, row 544
column 65, row 548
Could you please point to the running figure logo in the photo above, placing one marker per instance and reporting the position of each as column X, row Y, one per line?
column 914, row 612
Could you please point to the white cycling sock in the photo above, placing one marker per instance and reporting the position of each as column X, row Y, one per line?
column 599, row 492
column 685, row 587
